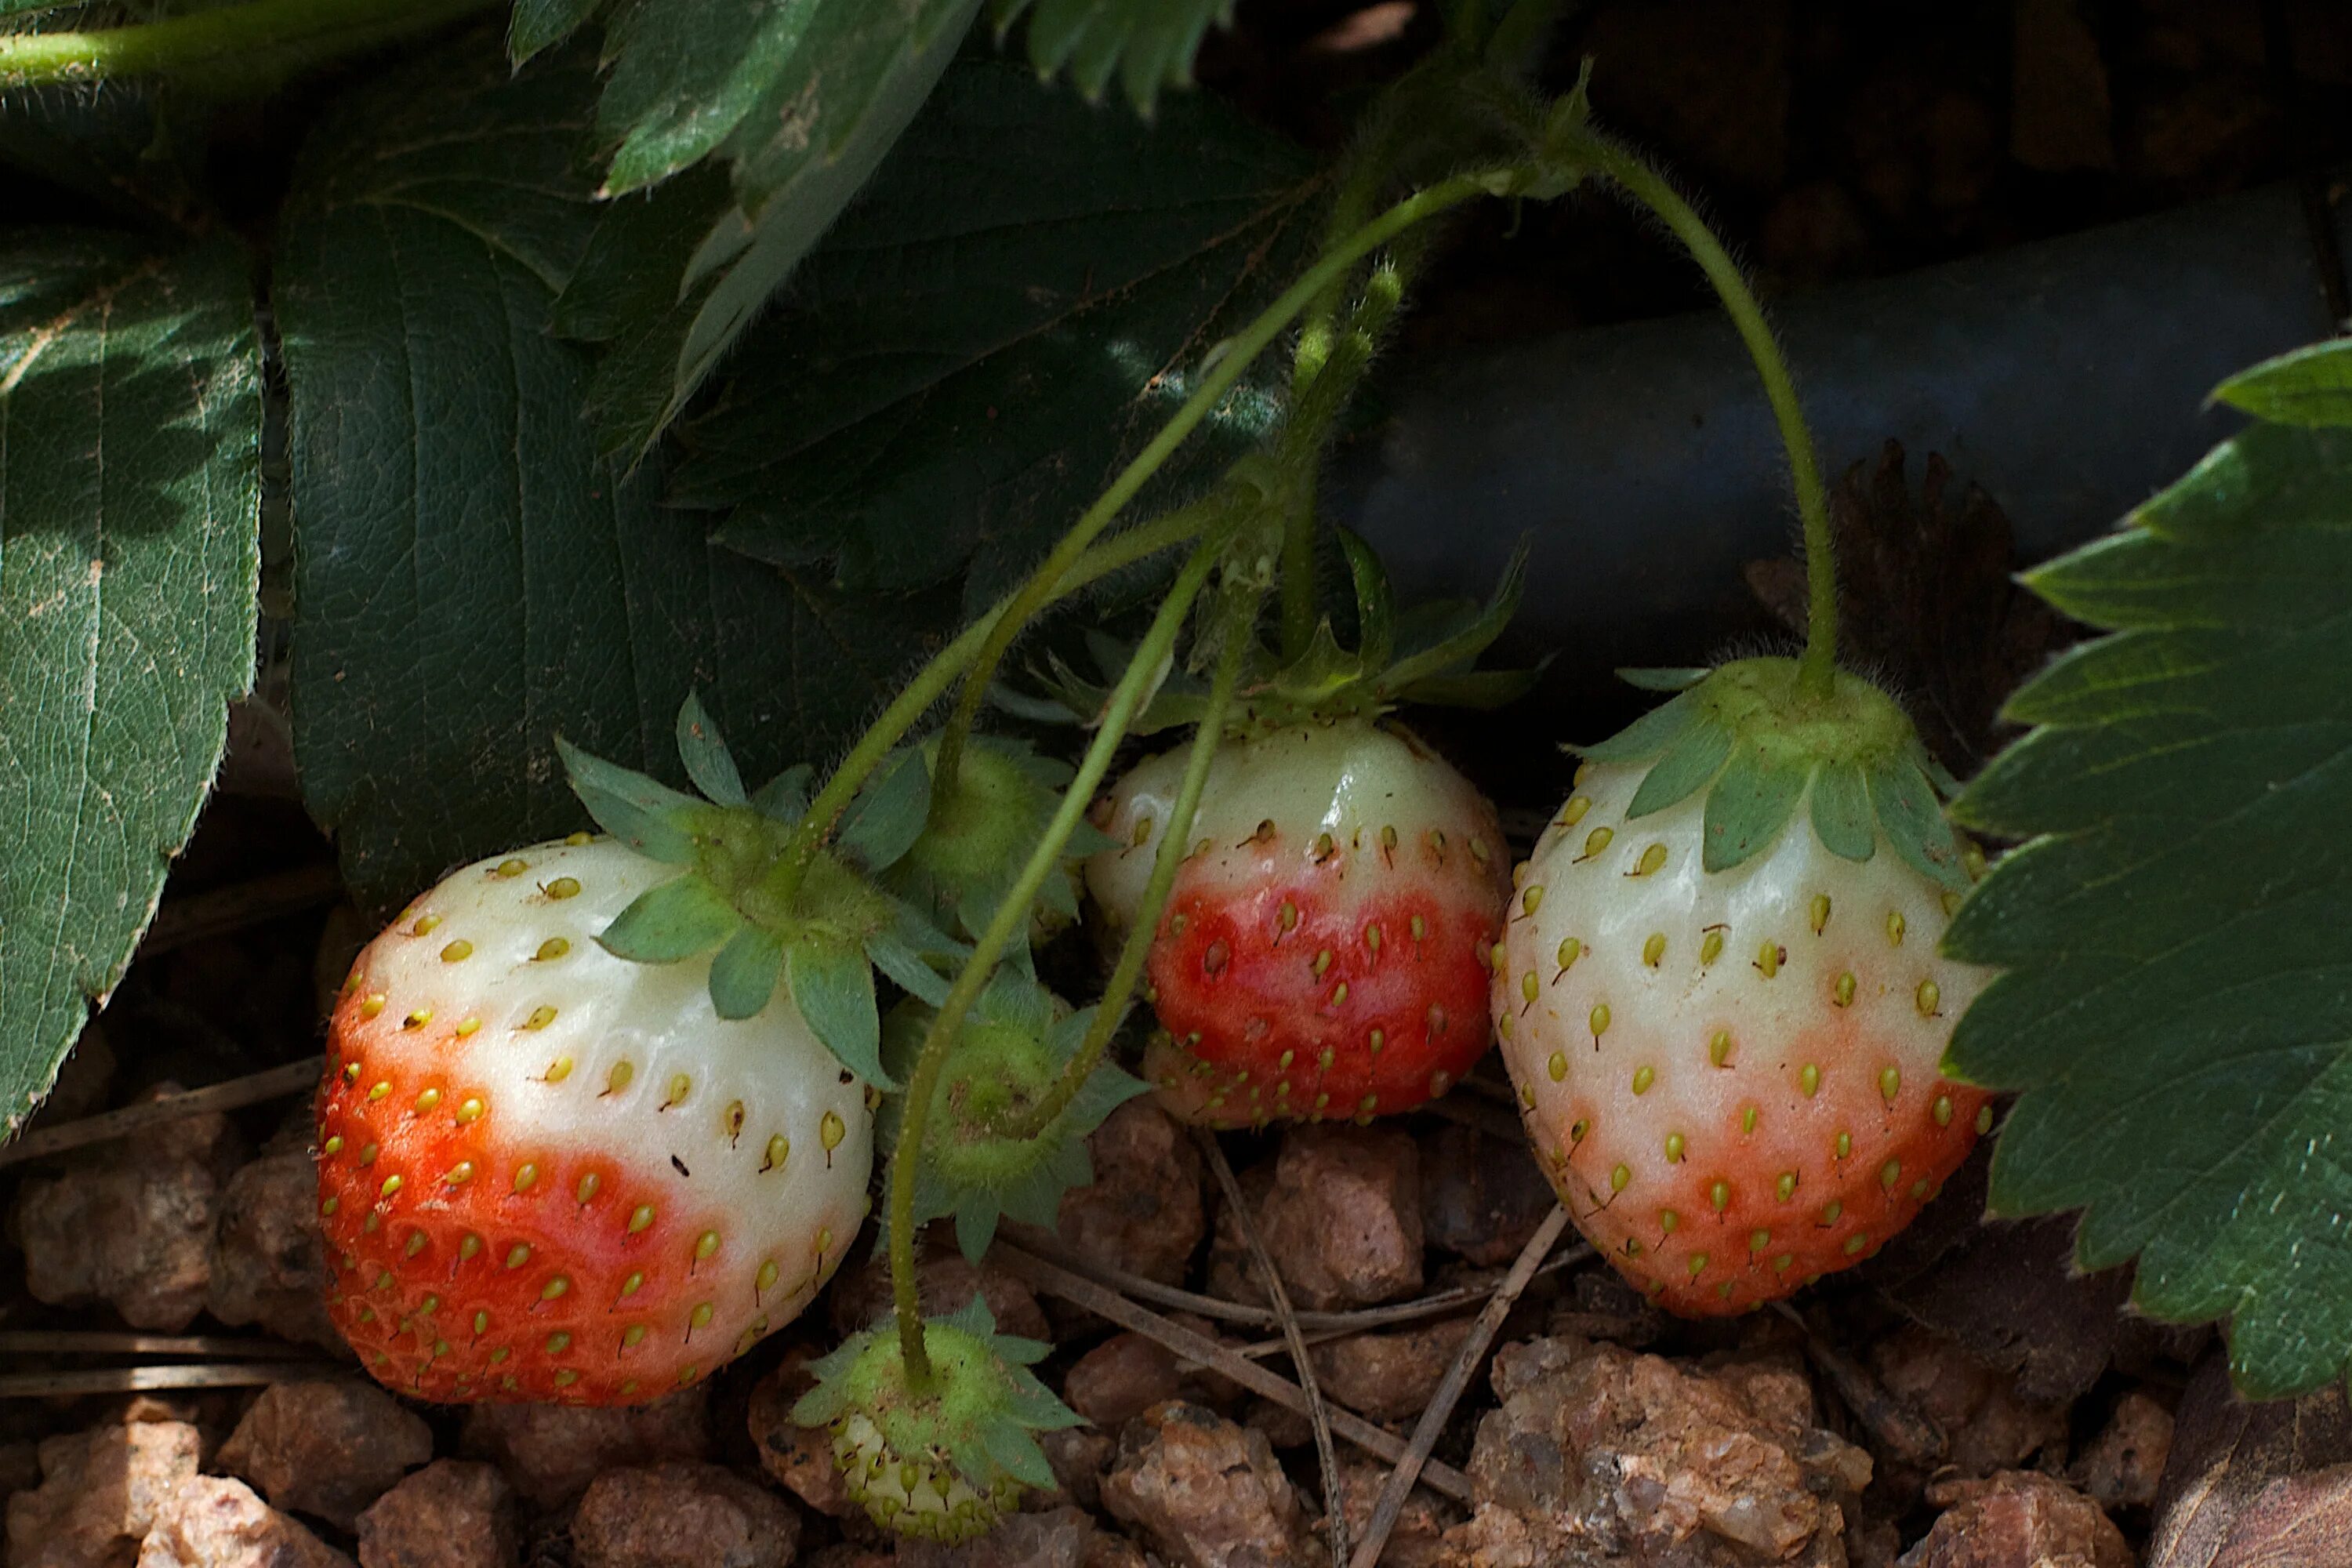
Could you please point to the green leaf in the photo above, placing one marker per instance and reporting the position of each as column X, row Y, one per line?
column 1696, row 756
column 2176, row 1008
column 471, row 576
column 1843, row 819
column 678, row 920
column 2310, row 385
column 645, row 813
column 743, row 975
column 1749, row 806
column 707, row 762
column 832, row 985
column 1146, row 44
column 540, row 24
column 130, row 483
column 956, row 376
column 883, row 823
column 684, row 73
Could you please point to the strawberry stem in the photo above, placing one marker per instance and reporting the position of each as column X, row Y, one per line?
column 1012, row 917
column 246, row 46
column 1239, row 353
column 1238, row 632
column 1817, row 669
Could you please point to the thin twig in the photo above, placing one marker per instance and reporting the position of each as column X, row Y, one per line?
column 1894, row 1423
column 242, row 904
column 76, row 1342
column 1318, row 1413
column 136, row 1379
column 273, row 1084
column 1079, row 1291
column 1439, row 1408
column 1437, row 1305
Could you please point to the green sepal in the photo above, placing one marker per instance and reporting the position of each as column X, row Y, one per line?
column 1455, row 651
column 832, row 985
column 1749, row 806
column 707, row 762
column 1650, row 734
column 785, row 797
column 1843, row 819
column 1680, row 677
column 1479, row 690
column 1375, row 603
column 2310, row 386
column 1692, row 759
column 643, row 813
column 680, row 919
column 744, row 973
column 883, row 823
column 1906, row 803
column 1017, row 1452
column 904, row 953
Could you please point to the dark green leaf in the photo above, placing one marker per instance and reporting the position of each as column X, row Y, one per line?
column 1749, row 806
column 957, row 375
column 645, row 813
column 1645, row 737
column 1146, row 44
column 680, row 919
column 883, row 823
column 1912, row 817
column 538, row 24
column 2308, row 386
column 832, row 985
column 686, row 72
column 1843, row 820
column 130, row 480
column 1696, row 756
column 2177, row 1005
column 704, row 751
column 743, row 974
column 471, row 576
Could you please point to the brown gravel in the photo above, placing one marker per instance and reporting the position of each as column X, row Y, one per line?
column 328, row 1448
column 2020, row 1518
column 453, row 1513
column 1206, row 1493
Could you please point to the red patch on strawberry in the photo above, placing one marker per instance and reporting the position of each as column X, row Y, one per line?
column 1324, row 949
column 547, row 1173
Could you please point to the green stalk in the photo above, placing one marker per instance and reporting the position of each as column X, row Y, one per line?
column 1240, row 352
column 252, row 43
column 1238, row 632
column 1012, row 916
column 1816, row 671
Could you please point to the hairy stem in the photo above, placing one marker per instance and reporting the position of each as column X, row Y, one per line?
column 1012, row 916
column 1818, row 669
column 1240, row 627
column 250, row 45
column 1240, row 352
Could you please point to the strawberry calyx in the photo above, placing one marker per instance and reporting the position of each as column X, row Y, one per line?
column 978, row 831
column 1426, row 655
column 767, row 911
column 979, row 1160
column 1759, row 744
column 945, row 1461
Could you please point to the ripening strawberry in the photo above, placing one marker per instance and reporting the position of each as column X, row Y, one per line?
column 1323, row 952
column 549, row 1172
column 1725, row 1020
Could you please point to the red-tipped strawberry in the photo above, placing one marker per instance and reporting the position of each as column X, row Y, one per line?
column 1726, row 1029
column 549, row 1172
column 1322, row 951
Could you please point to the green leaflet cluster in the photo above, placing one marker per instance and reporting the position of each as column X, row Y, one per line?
column 1760, row 747
column 1146, row 44
column 2176, row 1009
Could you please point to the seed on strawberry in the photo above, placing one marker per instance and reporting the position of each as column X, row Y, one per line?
column 1323, row 952
column 1731, row 1076
column 549, row 1172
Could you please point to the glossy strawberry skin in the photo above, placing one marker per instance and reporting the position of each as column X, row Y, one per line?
column 1323, row 951
column 510, row 1211
column 1760, row 1102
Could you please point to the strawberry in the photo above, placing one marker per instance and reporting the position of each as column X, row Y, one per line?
column 1726, row 1029
column 546, row 1172
column 1323, row 952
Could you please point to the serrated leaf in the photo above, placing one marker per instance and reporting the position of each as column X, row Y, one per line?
column 1696, row 755
column 684, row 75
column 953, row 379
column 643, row 813
column 671, row 921
column 832, row 986
column 2177, row 1005
column 1146, row 45
column 129, row 484
column 472, row 577
column 1648, row 736
column 2311, row 385
column 704, row 751
column 883, row 823
column 1843, row 819
column 744, row 973
column 1749, row 806
column 537, row 26
column 1909, row 812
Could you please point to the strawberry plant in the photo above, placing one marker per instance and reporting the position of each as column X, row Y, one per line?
column 611, row 375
